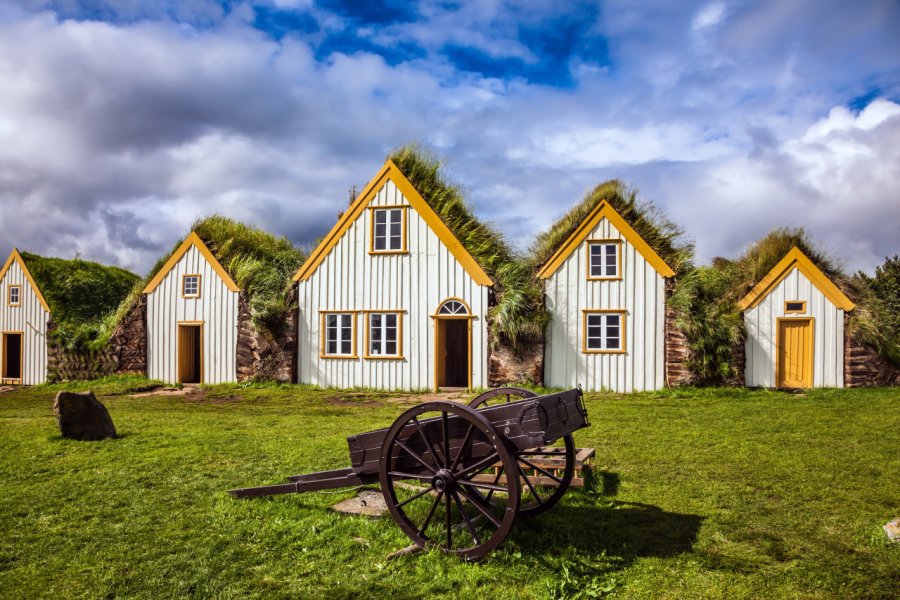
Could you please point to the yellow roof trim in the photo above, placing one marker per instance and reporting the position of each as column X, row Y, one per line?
column 392, row 172
column 15, row 256
column 192, row 240
column 604, row 210
column 795, row 259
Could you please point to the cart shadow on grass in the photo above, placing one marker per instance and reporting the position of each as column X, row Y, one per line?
column 591, row 525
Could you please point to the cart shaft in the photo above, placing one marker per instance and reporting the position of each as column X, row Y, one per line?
column 311, row 482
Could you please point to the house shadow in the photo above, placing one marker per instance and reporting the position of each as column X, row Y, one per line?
column 591, row 524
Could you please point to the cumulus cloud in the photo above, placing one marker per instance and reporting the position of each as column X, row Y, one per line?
column 121, row 125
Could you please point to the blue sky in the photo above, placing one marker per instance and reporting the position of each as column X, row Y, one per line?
column 123, row 121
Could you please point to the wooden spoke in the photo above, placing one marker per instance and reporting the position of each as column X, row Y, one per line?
column 488, row 515
column 446, row 430
column 463, row 447
column 410, row 499
column 496, row 479
column 542, row 471
column 415, row 456
column 461, row 509
column 530, row 487
column 428, row 445
column 434, row 505
column 481, row 465
column 449, row 522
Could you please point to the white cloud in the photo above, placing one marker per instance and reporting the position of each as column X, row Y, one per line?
column 709, row 15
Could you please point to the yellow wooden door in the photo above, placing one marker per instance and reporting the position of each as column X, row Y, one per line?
column 795, row 353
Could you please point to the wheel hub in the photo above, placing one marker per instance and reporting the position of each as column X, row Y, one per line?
column 443, row 480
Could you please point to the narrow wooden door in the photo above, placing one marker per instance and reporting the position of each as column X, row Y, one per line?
column 794, row 368
column 190, row 360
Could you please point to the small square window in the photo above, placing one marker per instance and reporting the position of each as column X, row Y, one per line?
column 339, row 335
column 190, row 286
column 603, row 332
column 15, row 295
column 388, row 230
column 603, row 260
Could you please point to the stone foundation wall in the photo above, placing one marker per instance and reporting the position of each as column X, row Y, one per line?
column 676, row 352
column 66, row 365
column 129, row 341
column 265, row 354
column 864, row 366
column 506, row 366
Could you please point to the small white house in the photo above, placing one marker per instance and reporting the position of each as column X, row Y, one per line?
column 605, row 290
column 794, row 320
column 192, row 318
column 24, row 315
column 391, row 299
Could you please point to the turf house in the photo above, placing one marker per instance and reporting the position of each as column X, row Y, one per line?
column 51, row 316
column 794, row 322
column 605, row 292
column 214, row 310
column 402, row 293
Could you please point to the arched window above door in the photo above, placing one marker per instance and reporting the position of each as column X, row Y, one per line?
column 453, row 307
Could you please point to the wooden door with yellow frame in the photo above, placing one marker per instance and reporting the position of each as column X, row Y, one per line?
column 794, row 353
column 453, row 345
column 190, row 352
column 13, row 361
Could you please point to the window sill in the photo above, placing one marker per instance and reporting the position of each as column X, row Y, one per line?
column 377, row 357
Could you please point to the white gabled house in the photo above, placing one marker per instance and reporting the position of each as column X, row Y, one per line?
column 192, row 318
column 605, row 290
column 24, row 316
column 391, row 299
column 794, row 321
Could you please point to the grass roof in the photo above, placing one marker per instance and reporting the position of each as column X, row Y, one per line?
column 664, row 236
column 518, row 315
column 81, row 294
column 259, row 262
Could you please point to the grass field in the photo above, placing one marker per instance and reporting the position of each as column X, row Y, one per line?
column 700, row 493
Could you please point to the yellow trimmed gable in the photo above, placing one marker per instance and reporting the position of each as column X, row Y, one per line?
column 15, row 256
column 604, row 210
column 391, row 172
column 192, row 240
column 795, row 259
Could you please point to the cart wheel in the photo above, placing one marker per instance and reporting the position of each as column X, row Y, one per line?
column 430, row 462
column 536, row 498
column 501, row 394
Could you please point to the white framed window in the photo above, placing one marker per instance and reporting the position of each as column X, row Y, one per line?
column 15, row 295
column 389, row 230
column 190, row 286
column 339, row 335
column 604, row 259
column 604, row 331
column 384, row 332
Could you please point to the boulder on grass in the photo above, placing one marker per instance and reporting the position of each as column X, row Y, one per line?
column 82, row 417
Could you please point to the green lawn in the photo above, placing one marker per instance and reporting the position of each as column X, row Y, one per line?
column 700, row 493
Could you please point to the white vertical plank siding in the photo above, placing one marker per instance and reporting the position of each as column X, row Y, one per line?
column 31, row 319
column 350, row 279
column 217, row 307
column 640, row 293
column 761, row 324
